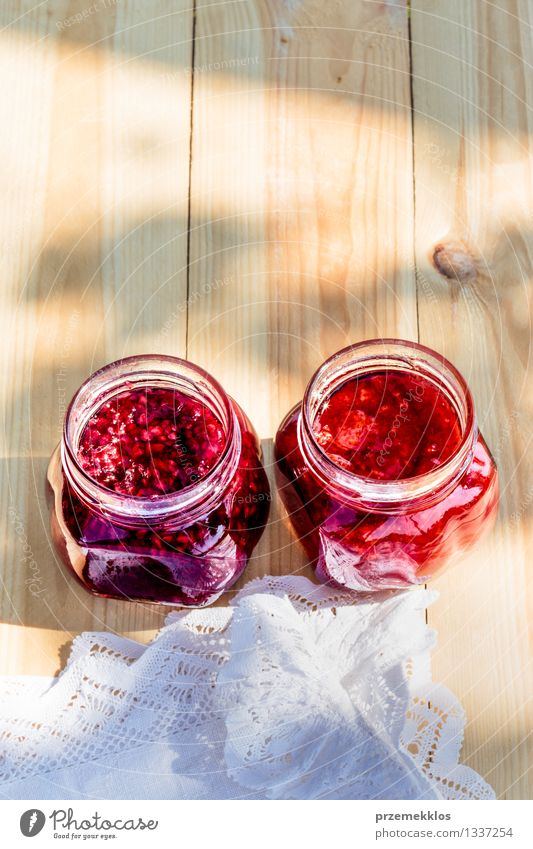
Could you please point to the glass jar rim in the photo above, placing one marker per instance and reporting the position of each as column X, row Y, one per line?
column 147, row 369
column 368, row 355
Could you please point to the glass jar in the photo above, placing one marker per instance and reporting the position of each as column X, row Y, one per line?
column 158, row 489
column 381, row 467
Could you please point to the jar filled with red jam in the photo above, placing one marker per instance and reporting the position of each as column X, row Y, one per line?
column 159, row 493
column 382, row 469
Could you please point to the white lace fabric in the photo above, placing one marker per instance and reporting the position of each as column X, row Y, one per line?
column 292, row 692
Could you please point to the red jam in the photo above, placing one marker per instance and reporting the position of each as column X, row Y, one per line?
column 391, row 429
column 141, row 445
column 150, row 441
column 388, row 425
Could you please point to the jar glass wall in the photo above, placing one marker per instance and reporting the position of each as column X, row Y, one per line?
column 158, row 489
column 381, row 467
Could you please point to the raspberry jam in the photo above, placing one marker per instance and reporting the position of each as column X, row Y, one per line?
column 159, row 492
column 381, row 468
column 388, row 425
column 150, row 441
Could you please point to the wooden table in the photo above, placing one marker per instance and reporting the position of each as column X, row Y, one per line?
column 254, row 184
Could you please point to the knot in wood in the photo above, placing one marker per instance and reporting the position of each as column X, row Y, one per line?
column 453, row 261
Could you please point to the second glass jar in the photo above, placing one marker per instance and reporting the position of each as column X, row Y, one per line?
column 381, row 467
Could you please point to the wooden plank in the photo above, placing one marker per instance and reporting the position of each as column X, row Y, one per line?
column 301, row 202
column 301, row 242
column 94, row 245
column 474, row 205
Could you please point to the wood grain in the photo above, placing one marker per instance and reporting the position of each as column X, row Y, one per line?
column 301, row 187
column 474, row 206
column 94, row 236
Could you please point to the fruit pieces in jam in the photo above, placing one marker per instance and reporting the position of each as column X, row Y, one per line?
column 388, row 426
column 150, row 441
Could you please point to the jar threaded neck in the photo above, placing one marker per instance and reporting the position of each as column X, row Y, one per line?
column 143, row 371
column 394, row 495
